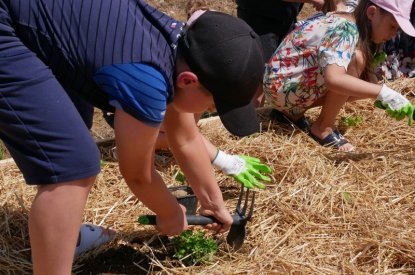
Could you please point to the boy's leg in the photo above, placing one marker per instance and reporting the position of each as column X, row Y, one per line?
column 51, row 146
column 54, row 223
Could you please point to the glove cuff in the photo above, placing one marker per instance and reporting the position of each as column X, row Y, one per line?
column 386, row 93
column 392, row 99
column 217, row 152
column 220, row 159
column 229, row 164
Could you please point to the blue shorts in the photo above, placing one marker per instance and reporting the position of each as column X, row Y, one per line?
column 39, row 123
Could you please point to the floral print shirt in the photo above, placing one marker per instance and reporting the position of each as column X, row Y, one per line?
column 294, row 76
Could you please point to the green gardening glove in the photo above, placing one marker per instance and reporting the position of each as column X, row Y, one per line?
column 245, row 169
column 248, row 177
column 395, row 104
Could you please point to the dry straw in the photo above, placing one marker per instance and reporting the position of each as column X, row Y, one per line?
column 324, row 212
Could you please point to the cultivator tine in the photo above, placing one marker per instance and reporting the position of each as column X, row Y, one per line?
column 238, row 204
column 236, row 235
column 251, row 208
column 247, row 201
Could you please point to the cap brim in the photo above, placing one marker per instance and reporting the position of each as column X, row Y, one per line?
column 406, row 26
column 240, row 121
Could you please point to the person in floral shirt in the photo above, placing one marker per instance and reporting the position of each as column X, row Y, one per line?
column 324, row 62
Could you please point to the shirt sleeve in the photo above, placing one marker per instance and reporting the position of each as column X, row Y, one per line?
column 338, row 44
column 351, row 5
column 139, row 89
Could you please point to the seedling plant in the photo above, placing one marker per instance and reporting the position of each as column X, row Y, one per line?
column 193, row 247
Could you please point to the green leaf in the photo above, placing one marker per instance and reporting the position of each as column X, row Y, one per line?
column 180, row 177
column 352, row 120
column 347, row 197
column 192, row 247
column 143, row 220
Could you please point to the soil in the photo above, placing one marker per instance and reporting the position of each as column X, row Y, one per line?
column 179, row 193
column 128, row 259
column 137, row 256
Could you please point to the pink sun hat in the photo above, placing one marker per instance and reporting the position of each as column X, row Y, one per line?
column 401, row 10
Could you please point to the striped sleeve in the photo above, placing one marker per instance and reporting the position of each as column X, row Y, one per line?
column 139, row 89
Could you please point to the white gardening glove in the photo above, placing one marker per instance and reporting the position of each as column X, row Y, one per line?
column 244, row 169
column 395, row 104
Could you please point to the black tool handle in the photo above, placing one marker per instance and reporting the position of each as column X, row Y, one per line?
column 191, row 220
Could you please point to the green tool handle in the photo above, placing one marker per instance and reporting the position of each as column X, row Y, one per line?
column 191, row 220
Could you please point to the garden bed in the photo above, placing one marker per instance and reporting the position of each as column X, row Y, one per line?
column 325, row 212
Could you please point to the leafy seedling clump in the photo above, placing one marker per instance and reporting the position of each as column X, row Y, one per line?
column 193, row 247
column 351, row 121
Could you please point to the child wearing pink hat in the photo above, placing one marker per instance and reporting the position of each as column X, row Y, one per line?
column 327, row 61
column 400, row 56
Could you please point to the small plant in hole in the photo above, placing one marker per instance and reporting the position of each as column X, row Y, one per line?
column 352, row 120
column 193, row 247
column 179, row 176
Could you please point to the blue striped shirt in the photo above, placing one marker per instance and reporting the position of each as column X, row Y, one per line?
column 78, row 38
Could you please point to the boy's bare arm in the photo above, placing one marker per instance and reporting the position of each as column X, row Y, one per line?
column 188, row 147
column 135, row 143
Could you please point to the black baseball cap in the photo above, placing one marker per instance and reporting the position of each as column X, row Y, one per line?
column 226, row 55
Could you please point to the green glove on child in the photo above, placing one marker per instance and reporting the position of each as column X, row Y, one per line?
column 395, row 104
column 247, row 170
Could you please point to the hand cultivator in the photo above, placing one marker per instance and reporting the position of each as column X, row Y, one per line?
column 243, row 213
column 237, row 233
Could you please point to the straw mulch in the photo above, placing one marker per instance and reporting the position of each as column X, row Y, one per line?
column 324, row 212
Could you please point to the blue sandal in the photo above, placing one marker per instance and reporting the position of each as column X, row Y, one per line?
column 335, row 139
column 302, row 123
